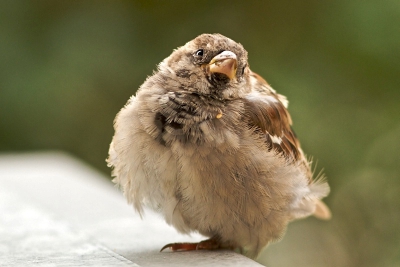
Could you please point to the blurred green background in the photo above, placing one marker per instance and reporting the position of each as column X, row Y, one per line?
column 67, row 67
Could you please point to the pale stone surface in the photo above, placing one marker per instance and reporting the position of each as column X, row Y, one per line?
column 57, row 211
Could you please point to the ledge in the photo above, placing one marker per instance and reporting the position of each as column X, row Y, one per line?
column 57, row 211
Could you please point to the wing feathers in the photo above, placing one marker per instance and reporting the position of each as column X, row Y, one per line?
column 268, row 114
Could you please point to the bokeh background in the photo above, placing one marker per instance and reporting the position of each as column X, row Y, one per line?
column 67, row 67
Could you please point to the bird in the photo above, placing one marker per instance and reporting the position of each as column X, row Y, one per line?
column 209, row 144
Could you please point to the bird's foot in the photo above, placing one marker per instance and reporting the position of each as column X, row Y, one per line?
column 209, row 244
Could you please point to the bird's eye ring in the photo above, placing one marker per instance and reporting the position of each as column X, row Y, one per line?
column 199, row 53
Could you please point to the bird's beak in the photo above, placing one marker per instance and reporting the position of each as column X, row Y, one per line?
column 225, row 62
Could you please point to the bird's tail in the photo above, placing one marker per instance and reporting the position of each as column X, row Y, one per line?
column 322, row 211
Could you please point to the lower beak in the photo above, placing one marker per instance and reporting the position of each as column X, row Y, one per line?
column 225, row 63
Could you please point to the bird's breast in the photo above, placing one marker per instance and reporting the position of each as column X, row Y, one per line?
column 188, row 118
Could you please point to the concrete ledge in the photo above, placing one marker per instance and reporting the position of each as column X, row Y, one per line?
column 57, row 211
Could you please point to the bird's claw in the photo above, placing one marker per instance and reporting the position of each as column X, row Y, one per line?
column 209, row 244
column 180, row 246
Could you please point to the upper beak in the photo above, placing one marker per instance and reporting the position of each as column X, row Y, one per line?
column 225, row 62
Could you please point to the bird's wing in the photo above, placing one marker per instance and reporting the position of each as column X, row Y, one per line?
column 266, row 112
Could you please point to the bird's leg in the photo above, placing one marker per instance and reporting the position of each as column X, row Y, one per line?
column 209, row 244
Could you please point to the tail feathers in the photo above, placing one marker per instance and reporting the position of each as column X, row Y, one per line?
column 319, row 189
column 322, row 211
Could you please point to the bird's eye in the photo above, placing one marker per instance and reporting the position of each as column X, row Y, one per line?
column 199, row 53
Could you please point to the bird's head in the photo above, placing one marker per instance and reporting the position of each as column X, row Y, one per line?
column 211, row 64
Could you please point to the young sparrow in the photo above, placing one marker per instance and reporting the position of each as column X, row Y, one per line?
column 208, row 144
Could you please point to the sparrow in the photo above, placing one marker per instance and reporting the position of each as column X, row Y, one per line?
column 208, row 143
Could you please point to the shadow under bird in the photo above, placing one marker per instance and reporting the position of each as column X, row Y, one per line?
column 208, row 143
